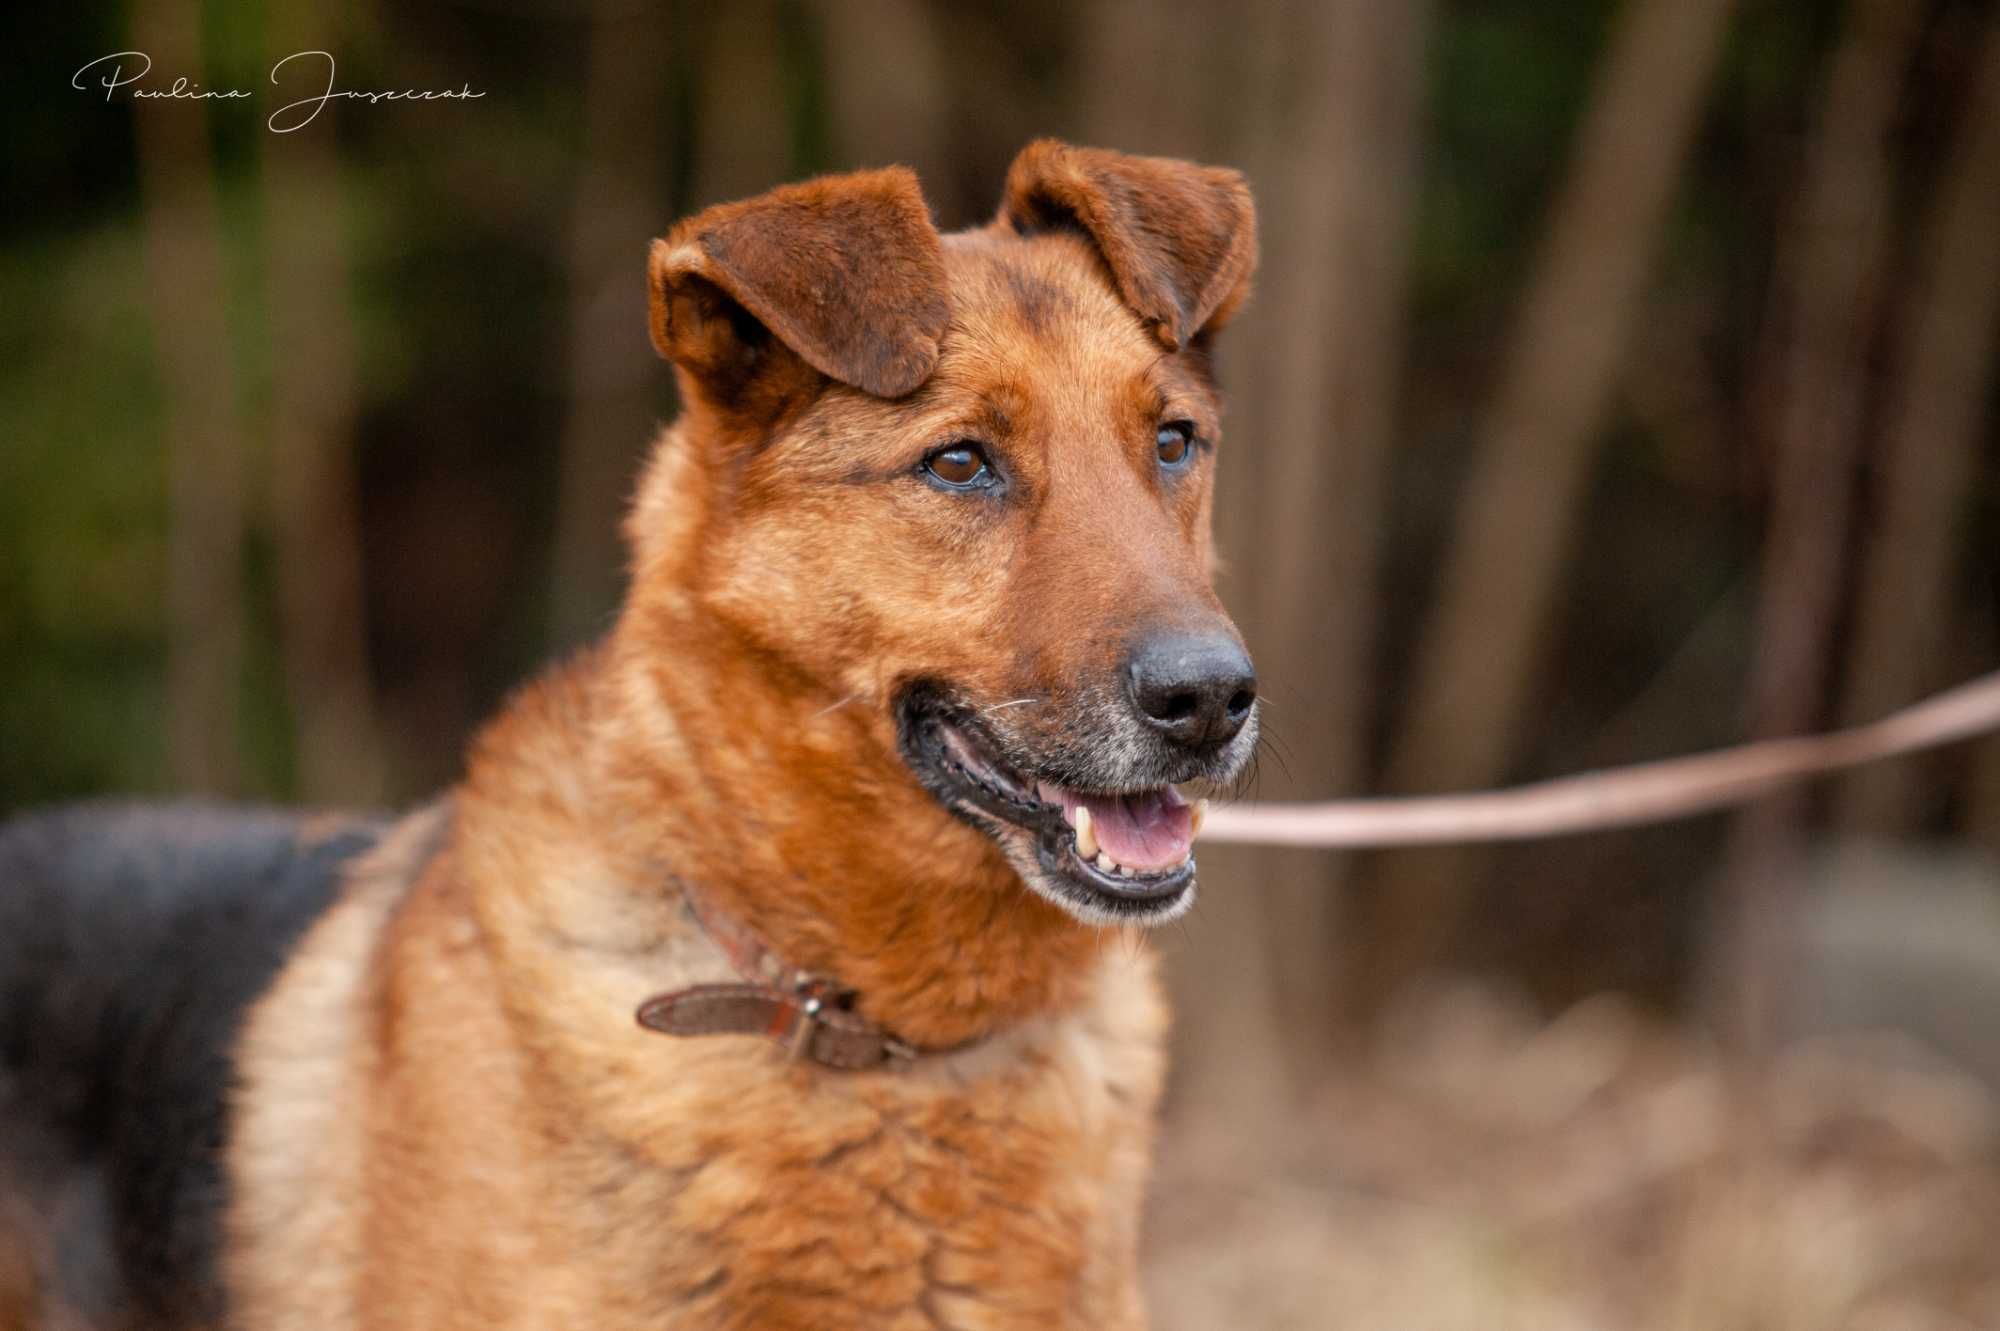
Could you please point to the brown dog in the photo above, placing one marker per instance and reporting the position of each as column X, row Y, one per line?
column 920, row 634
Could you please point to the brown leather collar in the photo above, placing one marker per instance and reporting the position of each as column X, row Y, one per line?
column 811, row 1015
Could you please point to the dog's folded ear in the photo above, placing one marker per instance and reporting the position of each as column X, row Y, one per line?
column 845, row 271
column 1180, row 239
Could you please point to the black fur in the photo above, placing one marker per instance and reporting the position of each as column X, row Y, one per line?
column 132, row 941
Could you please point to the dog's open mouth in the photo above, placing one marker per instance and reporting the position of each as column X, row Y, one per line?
column 1125, row 855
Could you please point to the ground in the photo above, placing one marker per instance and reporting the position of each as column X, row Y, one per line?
column 1484, row 1172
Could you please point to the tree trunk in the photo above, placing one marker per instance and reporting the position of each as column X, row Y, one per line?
column 1478, row 650
column 1826, row 299
column 886, row 82
column 1942, row 374
column 203, row 435
column 314, row 497
column 614, row 376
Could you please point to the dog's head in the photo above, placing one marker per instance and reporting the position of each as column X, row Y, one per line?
column 964, row 483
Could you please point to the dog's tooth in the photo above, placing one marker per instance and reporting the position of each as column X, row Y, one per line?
column 1106, row 863
column 1124, row 871
column 1197, row 818
column 1086, row 840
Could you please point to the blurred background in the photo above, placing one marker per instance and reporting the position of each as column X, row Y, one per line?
column 1621, row 382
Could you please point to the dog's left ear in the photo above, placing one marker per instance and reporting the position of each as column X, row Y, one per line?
column 845, row 271
column 1180, row 238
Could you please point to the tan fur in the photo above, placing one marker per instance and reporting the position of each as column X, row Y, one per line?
column 448, row 1116
column 20, row 1286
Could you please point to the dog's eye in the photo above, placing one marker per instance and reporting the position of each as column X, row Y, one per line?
column 962, row 466
column 1176, row 441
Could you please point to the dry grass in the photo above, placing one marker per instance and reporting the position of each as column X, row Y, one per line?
column 1483, row 1172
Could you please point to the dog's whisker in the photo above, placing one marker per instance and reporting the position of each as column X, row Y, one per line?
column 834, row 707
column 1271, row 744
column 1003, row 706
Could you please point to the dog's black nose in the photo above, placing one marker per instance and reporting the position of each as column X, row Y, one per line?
column 1195, row 689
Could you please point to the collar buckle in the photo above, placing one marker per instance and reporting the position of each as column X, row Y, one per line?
column 805, row 1023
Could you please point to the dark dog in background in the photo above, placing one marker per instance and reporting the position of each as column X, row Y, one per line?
column 920, row 639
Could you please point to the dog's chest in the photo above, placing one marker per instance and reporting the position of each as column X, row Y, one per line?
column 1001, row 1191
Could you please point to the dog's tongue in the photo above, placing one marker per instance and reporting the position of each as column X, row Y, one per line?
column 1146, row 831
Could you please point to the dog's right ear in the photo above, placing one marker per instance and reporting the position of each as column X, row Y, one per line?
column 845, row 272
